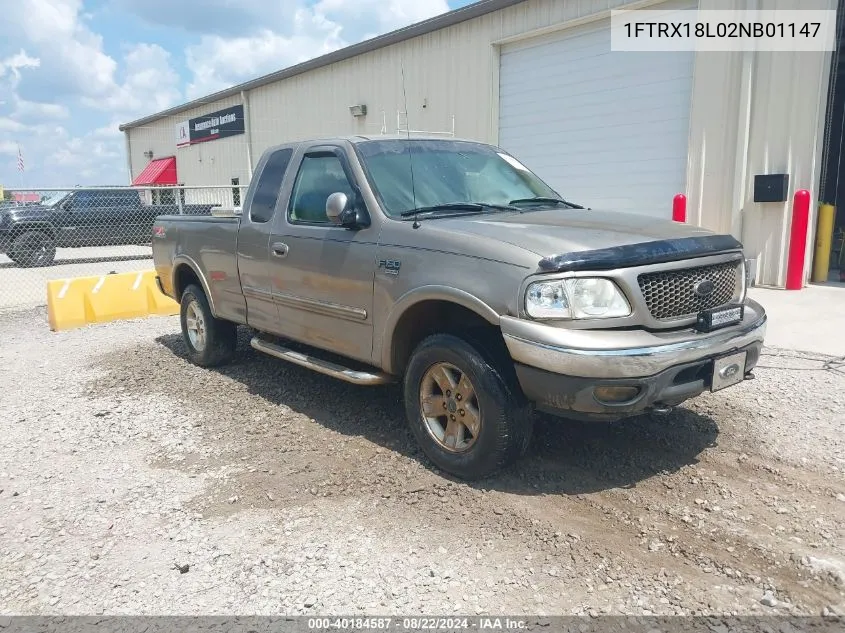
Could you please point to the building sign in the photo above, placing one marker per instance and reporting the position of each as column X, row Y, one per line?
column 210, row 127
column 183, row 135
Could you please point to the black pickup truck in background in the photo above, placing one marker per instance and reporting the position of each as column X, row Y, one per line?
column 30, row 233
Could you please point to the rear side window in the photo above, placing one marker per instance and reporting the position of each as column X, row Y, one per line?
column 269, row 184
column 83, row 199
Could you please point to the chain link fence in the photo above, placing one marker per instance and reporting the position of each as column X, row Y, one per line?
column 83, row 231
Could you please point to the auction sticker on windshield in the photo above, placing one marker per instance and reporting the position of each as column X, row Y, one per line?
column 512, row 162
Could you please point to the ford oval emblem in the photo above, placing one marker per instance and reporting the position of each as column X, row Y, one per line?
column 704, row 288
column 730, row 371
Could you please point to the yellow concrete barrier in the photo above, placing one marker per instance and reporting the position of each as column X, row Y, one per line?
column 80, row 301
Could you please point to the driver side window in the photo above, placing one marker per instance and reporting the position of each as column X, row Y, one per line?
column 320, row 175
column 82, row 201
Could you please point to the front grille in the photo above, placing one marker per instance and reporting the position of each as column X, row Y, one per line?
column 671, row 294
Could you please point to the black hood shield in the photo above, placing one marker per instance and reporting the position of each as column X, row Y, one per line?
column 641, row 254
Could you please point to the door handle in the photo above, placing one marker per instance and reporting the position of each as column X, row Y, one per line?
column 280, row 249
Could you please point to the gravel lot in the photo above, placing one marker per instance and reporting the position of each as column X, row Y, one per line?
column 132, row 482
column 26, row 287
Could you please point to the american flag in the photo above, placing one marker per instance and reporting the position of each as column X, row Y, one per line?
column 20, row 160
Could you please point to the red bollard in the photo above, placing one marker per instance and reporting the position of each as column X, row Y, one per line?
column 798, row 240
column 679, row 208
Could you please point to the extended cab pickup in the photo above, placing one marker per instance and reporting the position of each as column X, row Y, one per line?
column 30, row 233
column 450, row 267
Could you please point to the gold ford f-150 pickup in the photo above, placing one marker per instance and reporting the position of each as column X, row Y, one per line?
column 448, row 266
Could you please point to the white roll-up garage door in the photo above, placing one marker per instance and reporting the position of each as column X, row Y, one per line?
column 605, row 129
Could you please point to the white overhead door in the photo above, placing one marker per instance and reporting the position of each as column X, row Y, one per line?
column 605, row 129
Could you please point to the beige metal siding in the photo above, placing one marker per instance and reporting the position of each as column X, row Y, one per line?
column 783, row 139
column 785, row 108
column 446, row 73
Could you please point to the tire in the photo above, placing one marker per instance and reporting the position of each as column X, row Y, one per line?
column 212, row 341
column 498, row 413
column 33, row 249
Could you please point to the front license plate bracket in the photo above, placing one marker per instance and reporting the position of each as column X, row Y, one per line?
column 728, row 370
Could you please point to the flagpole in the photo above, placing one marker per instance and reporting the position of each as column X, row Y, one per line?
column 20, row 165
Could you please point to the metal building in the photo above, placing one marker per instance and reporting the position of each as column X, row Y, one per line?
column 538, row 77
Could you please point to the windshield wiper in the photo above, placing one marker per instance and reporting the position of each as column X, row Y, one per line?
column 543, row 200
column 459, row 207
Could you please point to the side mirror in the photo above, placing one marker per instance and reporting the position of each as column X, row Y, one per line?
column 336, row 204
column 341, row 213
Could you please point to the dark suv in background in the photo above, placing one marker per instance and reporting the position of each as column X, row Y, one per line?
column 31, row 232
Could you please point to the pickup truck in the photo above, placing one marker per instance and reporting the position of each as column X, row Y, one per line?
column 449, row 267
column 30, row 233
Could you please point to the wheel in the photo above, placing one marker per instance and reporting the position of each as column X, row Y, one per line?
column 32, row 249
column 468, row 418
column 210, row 341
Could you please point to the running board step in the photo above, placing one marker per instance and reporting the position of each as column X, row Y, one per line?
column 326, row 367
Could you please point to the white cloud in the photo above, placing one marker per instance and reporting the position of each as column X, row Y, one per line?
column 56, row 158
column 11, row 73
column 9, row 148
column 14, row 63
column 85, row 154
column 218, row 62
column 71, row 57
column 10, row 125
column 73, row 63
column 54, row 68
column 33, row 111
column 227, row 18
column 109, row 131
column 149, row 84
column 362, row 18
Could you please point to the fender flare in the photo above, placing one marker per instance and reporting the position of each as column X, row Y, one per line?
column 429, row 293
column 33, row 225
column 185, row 260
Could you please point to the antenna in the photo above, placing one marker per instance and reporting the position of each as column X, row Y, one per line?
column 416, row 223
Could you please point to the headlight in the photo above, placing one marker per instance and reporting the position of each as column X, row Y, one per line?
column 585, row 298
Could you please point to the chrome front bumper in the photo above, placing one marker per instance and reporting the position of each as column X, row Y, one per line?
column 608, row 354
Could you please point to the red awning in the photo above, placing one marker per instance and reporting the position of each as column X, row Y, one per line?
column 25, row 197
column 161, row 171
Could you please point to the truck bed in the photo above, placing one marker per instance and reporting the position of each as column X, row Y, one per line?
column 210, row 244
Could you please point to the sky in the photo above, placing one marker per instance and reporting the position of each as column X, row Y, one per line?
column 71, row 71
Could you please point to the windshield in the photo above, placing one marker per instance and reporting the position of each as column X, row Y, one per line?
column 52, row 198
column 446, row 172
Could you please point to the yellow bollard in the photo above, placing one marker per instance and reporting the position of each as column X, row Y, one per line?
column 824, row 240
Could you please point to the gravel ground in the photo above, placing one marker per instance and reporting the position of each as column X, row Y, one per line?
column 132, row 482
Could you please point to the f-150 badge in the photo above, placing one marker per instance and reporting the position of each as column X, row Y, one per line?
column 390, row 266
